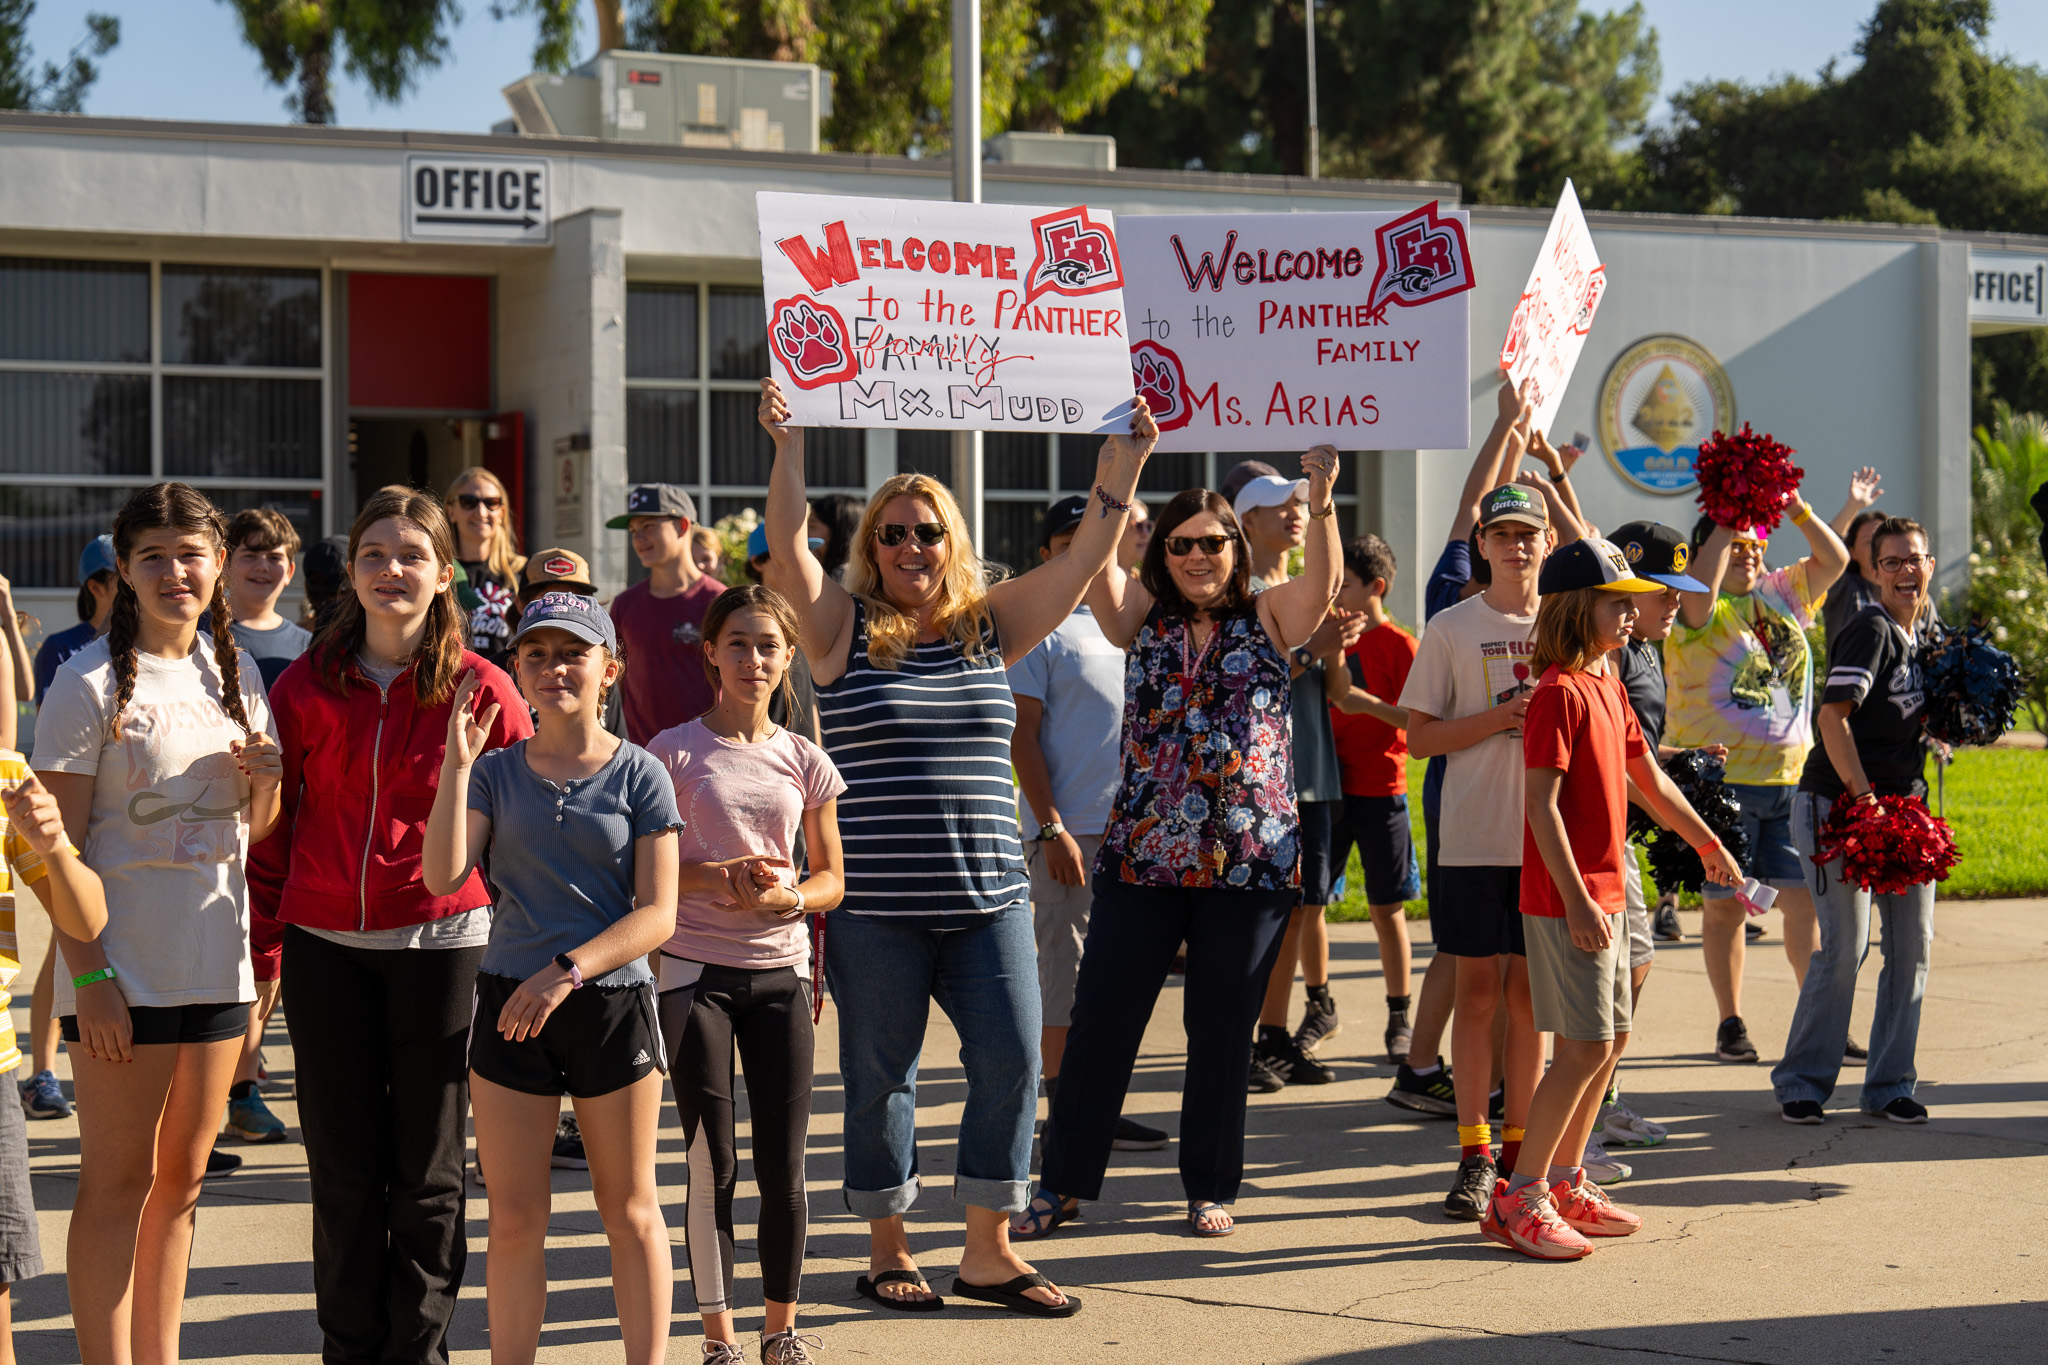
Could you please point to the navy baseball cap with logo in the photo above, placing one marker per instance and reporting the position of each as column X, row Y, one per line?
column 1591, row 563
column 583, row 617
column 1063, row 515
column 1657, row 552
column 1512, row 502
column 656, row 500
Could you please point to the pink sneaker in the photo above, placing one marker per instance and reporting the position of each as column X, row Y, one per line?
column 1525, row 1221
column 1586, row 1207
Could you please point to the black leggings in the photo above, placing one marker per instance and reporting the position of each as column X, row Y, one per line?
column 768, row 1014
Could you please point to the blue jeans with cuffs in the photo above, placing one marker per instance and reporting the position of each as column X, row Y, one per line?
column 985, row 978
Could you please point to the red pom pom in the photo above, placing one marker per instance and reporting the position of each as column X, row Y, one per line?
column 1887, row 847
column 1746, row 480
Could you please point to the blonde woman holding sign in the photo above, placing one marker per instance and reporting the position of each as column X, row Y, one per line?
column 916, row 712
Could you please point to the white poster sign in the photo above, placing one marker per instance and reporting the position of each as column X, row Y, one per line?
column 911, row 314
column 484, row 199
column 1550, row 322
column 1280, row 331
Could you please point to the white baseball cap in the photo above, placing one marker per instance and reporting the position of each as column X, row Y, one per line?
column 1268, row 490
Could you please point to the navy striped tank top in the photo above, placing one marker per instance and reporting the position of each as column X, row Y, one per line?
column 929, row 818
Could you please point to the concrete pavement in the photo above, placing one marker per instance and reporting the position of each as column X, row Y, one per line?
column 1857, row 1241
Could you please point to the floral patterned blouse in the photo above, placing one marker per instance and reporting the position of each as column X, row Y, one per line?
column 1207, row 798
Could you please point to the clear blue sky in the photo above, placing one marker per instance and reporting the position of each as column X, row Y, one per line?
column 185, row 59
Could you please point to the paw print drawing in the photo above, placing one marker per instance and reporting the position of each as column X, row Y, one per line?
column 1156, row 375
column 810, row 339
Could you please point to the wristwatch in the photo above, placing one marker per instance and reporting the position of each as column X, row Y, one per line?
column 1051, row 831
column 1302, row 658
column 568, row 964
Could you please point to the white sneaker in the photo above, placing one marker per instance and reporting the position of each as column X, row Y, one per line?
column 1625, row 1126
column 1601, row 1168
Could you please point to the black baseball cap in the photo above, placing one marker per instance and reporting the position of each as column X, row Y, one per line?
column 1063, row 515
column 1657, row 552
column 326, row 565
column 1590, row 563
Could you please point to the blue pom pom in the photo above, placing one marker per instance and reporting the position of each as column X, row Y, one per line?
column 1973, row 687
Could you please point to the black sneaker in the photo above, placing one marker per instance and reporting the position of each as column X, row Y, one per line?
column 1666, row 929
column 1854, row 1053
column 1468, row 1197
column 1904, row 1109
column 1264, row 1079
column 1292, row 1064
column 1318, row 1025
column 1732, row 1043
column 1753, row 932
column 1802, row 1111
column 568, row 1152
column 1431, row 1094
column 1400, row 1033
column 227, row 1163
column 1497, row 1104
column 1132, row 1136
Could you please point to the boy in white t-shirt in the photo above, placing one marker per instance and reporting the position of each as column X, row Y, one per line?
column 1465, row 697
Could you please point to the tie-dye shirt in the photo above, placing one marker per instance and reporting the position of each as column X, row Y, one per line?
column 1745, row 679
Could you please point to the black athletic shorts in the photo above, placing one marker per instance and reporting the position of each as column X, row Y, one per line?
column 208, row 1023
column 1319, row 870
column 601, row 1039
column 1378, row 826
column 1477, row 911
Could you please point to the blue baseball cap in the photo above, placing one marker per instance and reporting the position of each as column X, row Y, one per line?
column 96, row 557
column 757, row 541
column 583, row 617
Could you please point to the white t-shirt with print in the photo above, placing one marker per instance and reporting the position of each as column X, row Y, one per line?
column 170, row 819
column 1472, row 659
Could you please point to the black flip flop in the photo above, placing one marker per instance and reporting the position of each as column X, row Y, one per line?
column 871, row 1289
column 1011, row 1296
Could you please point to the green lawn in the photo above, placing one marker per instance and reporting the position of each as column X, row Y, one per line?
column 1996, row 800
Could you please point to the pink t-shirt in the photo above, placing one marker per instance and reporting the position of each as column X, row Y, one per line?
column 737, row 799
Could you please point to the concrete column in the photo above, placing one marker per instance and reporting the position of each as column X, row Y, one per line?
column 880, row 456
column 562, row 361
column 1945, row 411
column 1398, row 498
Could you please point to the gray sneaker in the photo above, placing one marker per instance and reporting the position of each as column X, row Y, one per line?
column 1601, row 1168
column 1319, row 1024
column 724, row 1353
column 789, row 1348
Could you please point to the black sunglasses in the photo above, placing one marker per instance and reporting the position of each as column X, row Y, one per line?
column 895, row 532
column 469, row 502
column 1182, row 546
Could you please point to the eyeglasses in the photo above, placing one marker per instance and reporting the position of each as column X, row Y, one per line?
column 469, row 502
column 894, row 533
column 1182, row 546
column 1894, row 563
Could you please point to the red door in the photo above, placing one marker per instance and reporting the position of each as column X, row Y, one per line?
column 505, row 456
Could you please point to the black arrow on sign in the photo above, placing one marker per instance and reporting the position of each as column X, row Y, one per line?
column 526, row 222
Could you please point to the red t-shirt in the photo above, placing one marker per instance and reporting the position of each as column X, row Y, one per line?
column 665, row 683
column 1582, row 724
column 1373, row 754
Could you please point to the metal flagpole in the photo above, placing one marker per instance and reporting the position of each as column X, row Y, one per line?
column 1315, row 151
column 967, row 190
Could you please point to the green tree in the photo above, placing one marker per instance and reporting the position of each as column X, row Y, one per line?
column 58, row 89
column 1046, row 64
column 384, row 43
column 1505, row 97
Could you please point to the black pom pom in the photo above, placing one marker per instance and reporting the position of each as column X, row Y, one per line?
column 1673, row 864
column 1973, row 687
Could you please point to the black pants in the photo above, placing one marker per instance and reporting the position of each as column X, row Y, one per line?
column 768, row 1015
column 1233, row 939
column 379, row 1036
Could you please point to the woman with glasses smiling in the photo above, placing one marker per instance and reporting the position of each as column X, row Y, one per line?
column 1202, row 845
column 915, row 708
column 480, row 514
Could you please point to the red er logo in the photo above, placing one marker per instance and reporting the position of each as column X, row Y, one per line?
column 810, row 340
column 1157, row 375
column 1589, row 301
column 1076, row 255
column 1423, row 257
column 559, row 566
column 1518, row 334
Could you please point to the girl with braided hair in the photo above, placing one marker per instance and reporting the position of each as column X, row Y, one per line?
column 156, row 741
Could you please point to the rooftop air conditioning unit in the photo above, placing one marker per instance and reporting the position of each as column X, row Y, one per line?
column 678, row 101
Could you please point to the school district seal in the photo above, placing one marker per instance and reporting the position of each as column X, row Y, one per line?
column 1660, row 398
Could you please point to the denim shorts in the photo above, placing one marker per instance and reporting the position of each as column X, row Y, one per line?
column 1767, row 820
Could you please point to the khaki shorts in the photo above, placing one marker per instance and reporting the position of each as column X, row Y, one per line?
column 1576, row 994
column 1641, row 947
column 1059, row 918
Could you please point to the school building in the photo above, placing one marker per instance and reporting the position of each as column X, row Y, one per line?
column 293, row 316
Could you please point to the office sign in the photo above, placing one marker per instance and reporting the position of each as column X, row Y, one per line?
column 914, row 314
column 1549, row 325
column 2009, row 287
column 500, row 200
column 1280, row 331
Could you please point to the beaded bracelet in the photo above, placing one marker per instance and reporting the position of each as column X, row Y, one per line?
column 1110, row 504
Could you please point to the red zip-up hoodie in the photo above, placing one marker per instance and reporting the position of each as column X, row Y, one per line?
column 360, row 773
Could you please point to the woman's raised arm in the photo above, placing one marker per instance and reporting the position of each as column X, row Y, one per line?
column 1293, row 610
column 825, row 608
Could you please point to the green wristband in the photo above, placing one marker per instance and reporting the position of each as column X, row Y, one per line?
column 79, row 983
